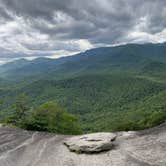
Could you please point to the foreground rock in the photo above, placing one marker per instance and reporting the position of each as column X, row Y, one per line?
column 91, row 143
column 23, row 148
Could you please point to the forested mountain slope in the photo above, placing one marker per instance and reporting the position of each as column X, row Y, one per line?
column 112, row 88
column 130, row 57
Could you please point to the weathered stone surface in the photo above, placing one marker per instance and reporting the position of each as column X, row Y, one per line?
column 23, row 148
column 91, row 143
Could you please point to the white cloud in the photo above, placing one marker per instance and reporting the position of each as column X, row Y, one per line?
column 56, row 28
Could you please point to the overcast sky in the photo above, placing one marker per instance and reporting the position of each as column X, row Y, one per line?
column 33, row 28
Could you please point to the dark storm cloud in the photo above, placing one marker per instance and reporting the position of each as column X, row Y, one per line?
column 75, row 25
column 84, row 19
column 4, row 15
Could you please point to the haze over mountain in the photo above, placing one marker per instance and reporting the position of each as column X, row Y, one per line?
column 135, row 57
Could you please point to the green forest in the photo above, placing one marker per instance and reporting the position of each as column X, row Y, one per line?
column 104, row 89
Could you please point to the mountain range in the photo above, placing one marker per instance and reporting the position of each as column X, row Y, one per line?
column 108, row 88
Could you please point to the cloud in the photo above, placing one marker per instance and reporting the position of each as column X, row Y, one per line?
column 50, row 27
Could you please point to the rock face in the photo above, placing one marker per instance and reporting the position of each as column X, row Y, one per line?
column 24, row 148
column 91, row 143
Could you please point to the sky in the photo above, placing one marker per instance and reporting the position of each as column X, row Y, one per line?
column 55, row 28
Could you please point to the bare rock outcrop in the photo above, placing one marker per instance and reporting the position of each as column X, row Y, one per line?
column 25, row 148
column 91, row 143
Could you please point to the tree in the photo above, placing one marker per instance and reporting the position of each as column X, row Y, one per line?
column 53, row 118
column 20, row 111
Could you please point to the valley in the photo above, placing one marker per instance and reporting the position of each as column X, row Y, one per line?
column 108, row 89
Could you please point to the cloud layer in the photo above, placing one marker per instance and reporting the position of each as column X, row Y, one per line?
column 54, row 27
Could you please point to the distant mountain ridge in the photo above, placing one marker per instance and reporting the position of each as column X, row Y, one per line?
column 129, row 57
